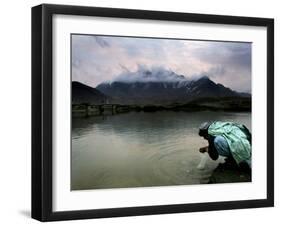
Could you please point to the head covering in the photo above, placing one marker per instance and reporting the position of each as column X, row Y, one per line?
column 203, row 129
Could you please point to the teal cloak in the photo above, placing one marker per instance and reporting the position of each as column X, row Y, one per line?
column 236, row 137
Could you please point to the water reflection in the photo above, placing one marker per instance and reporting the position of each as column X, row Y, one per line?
column 141, row 149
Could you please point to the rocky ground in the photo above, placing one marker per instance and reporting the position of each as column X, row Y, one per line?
column 230, row 172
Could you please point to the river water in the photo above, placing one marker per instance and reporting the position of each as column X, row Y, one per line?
column 142, row 149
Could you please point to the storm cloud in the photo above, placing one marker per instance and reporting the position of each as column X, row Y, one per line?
column 96, row 59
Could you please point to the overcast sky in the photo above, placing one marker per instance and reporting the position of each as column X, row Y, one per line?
column 96, row 59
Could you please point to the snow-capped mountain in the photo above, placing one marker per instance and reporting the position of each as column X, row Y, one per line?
column 160, row 87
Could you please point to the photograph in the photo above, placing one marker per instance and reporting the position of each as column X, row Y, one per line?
column 141, row 112
column 154, row 111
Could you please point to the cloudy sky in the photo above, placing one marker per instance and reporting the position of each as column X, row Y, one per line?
column 96, row 59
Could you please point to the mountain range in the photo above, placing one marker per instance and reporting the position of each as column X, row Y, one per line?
column 152, row 87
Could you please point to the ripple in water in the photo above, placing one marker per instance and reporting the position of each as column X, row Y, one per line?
column 142, row 149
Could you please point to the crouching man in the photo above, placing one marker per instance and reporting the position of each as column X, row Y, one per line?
column 227, row 139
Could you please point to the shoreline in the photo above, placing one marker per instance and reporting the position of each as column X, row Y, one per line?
column 84, row 109
column 225, row 173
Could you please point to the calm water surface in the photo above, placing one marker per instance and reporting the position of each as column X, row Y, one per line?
column 142, row 149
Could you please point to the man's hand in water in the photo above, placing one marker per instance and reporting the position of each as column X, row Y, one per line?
column 203, row 149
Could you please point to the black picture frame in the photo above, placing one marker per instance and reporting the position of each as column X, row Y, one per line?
column 42, row 111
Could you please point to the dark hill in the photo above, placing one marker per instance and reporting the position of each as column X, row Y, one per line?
column 82, row 93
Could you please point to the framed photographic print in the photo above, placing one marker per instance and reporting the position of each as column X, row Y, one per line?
column 140, row 112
